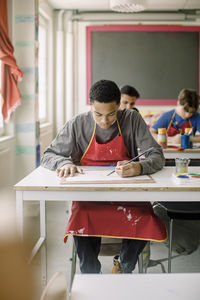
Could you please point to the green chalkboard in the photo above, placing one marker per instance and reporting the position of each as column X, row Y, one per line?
column 159, row 64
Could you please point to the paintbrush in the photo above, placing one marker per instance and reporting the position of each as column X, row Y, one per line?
column 190, row 132
column 176, row 126
column 132, row 159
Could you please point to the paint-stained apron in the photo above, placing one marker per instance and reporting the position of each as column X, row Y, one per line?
column 172, row 131
column 132, row 220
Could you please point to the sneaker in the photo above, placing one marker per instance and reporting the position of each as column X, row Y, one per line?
column 116, row 269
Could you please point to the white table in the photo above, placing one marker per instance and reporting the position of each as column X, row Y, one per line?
column 171, row 153
column 42, row 185
column 137, row 286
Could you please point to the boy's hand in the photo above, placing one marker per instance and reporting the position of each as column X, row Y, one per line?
column 68, row 170
column 131, row 169
column 176, row 139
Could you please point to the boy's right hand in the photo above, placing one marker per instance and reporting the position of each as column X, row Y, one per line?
column 68, row 170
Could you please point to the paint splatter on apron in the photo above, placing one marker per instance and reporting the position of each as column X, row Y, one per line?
column 132, row 220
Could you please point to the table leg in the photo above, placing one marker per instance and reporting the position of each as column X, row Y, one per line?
column 19, row 212
column 43, row 249
column 41, row 245
column 42, row 237
column 43, row 265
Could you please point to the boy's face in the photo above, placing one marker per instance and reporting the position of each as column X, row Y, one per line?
column 104, row 113
column 127, row 101
column 184, row 112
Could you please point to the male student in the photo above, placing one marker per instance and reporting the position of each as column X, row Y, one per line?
column 129, row 95
column 106, row 135
column 185, row 115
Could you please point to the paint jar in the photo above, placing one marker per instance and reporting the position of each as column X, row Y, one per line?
column 182, row 165
column 189, row 131
column 162, row 137
column 185, row 141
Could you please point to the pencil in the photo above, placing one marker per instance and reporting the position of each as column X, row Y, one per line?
column 132, row 159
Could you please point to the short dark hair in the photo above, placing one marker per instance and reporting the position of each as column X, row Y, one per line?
column 189, row 98
column 104, row 91
column 130, row 91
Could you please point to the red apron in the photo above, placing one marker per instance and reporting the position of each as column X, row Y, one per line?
column 132, row 220
column 171, row 131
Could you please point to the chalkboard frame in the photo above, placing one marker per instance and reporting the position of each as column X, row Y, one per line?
column 145, row 28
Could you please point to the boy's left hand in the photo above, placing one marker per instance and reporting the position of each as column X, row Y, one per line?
column 68, row 170
column 129, row 170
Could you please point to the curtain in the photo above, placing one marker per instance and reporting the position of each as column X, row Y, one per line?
column 10, row 72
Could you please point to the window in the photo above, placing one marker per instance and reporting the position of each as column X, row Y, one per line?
column 1, row 117
column 42, row 70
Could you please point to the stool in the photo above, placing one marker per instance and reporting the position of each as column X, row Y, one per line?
column 178, row 211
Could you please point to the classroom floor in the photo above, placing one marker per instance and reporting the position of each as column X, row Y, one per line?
column 59, row 254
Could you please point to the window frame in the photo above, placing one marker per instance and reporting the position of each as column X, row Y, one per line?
column 43, row 22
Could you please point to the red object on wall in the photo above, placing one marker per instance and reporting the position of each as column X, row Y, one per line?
column 10, row 72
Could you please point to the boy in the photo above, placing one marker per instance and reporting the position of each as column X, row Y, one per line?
column 129, row 95
column 185, row 115
column 107, row 136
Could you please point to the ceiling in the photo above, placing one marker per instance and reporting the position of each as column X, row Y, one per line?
column 103, row 5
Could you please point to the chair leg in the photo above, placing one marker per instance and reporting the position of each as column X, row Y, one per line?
column 73, row 265
column 140, row 263
column 170, row 245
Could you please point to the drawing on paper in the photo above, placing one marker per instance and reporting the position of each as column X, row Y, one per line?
column 100, row 176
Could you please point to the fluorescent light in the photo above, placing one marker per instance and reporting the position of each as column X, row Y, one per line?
column 127, row 5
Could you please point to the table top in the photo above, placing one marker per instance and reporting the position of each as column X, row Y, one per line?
column 175, row 150
column 172, row 153
column 42, row 179
column 141, row 286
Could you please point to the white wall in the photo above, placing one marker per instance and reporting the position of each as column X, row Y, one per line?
column 80, row 57
column 18, row 146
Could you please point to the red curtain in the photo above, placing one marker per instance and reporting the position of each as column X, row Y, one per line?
column 10, row 72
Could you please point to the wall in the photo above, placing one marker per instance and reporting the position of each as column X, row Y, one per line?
column 27, row 113
column 80, row 46
column 17, row 148
column 47, row 128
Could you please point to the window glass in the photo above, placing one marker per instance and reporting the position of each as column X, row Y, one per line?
column 42, row 73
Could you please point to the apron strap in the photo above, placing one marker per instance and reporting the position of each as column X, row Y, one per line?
column 172, row 118
column 89, row 142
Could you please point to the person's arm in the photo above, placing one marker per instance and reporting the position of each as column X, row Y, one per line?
column 131, row 169
column 65, row 152
column 154, row 159
column 137, row 135
column 68, row 170
column 59, row 152
column 196, row 125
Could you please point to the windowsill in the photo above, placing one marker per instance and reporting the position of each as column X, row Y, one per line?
column 6, row 138
column 45, row 126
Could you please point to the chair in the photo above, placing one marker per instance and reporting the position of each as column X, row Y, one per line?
column 111, row 247
column 56, row 288
column 178, row 211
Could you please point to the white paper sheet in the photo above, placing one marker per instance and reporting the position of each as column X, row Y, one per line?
column 100, row 176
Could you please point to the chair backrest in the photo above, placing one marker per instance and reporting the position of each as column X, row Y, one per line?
column 56, row 288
